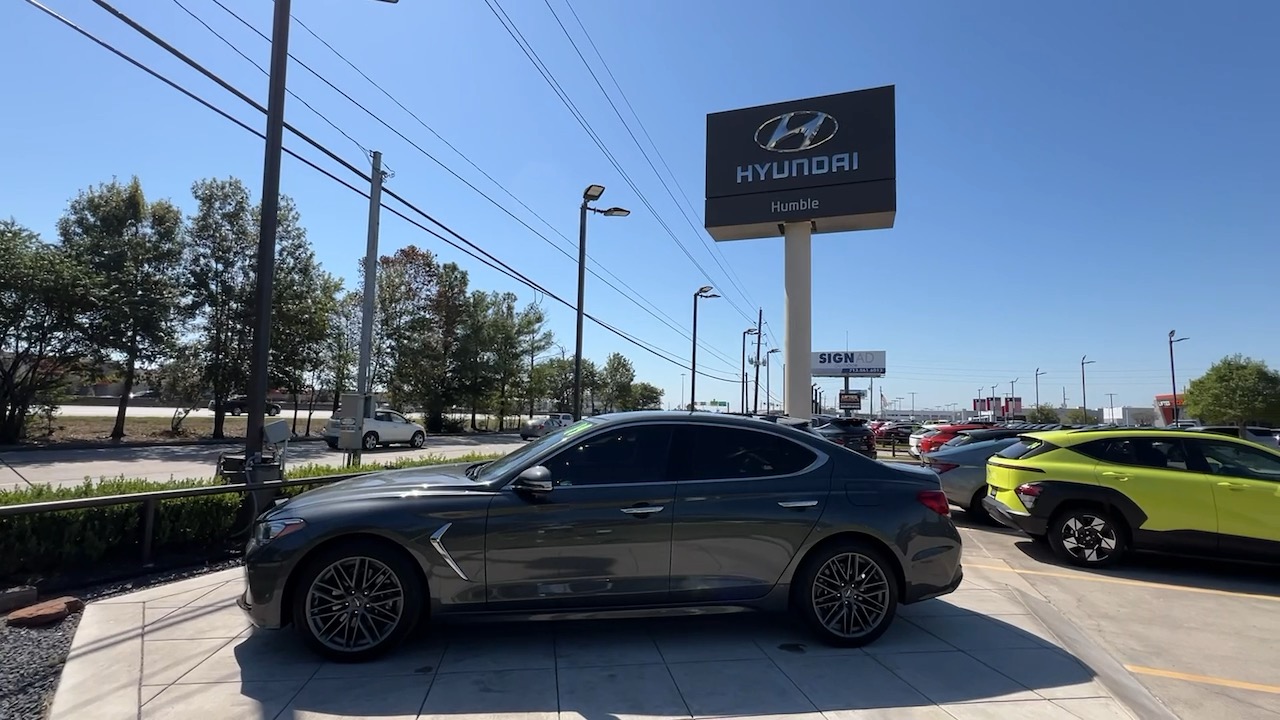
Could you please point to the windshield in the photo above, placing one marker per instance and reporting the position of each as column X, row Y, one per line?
column 500, row 467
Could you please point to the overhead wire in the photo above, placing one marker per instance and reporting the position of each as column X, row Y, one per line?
column 475, row 251
column 632, row 295
column 699, row 232
column 509, row 25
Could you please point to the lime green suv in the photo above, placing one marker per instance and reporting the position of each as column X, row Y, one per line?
column 1094, row 495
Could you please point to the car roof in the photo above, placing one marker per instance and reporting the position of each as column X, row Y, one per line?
column 1077, row 436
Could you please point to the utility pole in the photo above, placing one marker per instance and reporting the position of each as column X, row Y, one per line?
column 755, row 403
column 364, row 384
column 992, row 400
column 913, row 404
column 260, row 359
column 531, row 339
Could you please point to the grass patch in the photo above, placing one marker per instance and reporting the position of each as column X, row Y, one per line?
column 70, row 540
column 90, row 428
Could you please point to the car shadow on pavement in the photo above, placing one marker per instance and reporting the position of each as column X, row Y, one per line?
column 1192, row 572
column 937, row 652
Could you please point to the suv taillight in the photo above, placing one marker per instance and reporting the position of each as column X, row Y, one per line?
column 1027, row 493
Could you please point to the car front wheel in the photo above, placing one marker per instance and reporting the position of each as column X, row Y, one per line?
column 357, row 600
column 848, row 594
column 418, row 440
column 370, row 441
column 1087, row 537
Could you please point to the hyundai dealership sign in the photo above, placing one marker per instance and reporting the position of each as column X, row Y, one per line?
column 848, row 363
column 830, row 160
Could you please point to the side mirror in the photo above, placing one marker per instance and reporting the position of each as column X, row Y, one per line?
column 535, row 481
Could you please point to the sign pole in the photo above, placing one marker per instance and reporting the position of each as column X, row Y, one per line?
column 847, row 413
column 798, row 286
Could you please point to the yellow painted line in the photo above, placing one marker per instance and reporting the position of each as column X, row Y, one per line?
column 1131, row 583
column 1204, row 679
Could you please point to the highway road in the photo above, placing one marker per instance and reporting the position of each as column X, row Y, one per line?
column 71, row 467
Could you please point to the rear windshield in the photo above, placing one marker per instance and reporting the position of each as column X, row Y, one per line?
column 1024, row 447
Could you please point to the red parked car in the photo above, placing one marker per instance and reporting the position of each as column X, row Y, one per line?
column 941, row 435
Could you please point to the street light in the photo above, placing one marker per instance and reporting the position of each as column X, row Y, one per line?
column 743, row 394
column 1038, row 374
column 768, row 394
column 590, row 195
column 259, row 380
column 1009, row 409
column 1173, row 378
column 705, row 292
column 1084, row 404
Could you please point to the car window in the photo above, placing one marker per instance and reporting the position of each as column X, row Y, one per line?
column 1023, row 447
column 1239, row 461
column 718, row 453
column 1140, row 452
column 382, row 416
column 636, row 454
column 397, row 417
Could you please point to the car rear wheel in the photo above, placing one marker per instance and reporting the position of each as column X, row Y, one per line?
column 1087, row 537
column 357, row 600
column 235, row 411
column 370, row 441
column 418, row 440
column 847, row 594
column 273, row 410
column 976, row 511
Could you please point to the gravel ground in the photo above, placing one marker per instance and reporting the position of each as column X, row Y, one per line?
column 31, row 659
column 30, row 664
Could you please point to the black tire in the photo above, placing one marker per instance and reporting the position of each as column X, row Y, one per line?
column 236, row 411
column 273, row 410
column 369, row 441
column 333, row 444
column 976, row 512
column 356, row 608
column 1088, row 537
column 418, row 440
column 868, row 581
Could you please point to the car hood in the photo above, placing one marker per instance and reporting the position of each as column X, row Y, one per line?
column 435, row 480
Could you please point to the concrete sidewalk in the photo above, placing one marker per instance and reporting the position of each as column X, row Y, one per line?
column 185, row 651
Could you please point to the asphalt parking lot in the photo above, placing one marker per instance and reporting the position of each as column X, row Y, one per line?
column 1199, row 634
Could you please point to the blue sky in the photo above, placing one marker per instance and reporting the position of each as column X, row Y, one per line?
column 1072, row 178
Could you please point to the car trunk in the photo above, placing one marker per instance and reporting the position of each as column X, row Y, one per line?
column 1008, row 469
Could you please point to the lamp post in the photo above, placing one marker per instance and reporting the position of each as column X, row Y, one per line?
column 259, row 380
column 590, row 195
column 1038, row 374
column 913, row 404
column 992, row 401
column 1009, row 410
column 704, row 292
column 768, row 395
column 1173, row 377
column 1084, row 404
column 743, row 395
column 682, row 391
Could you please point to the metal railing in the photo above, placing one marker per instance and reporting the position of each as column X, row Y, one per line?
column 151, row 498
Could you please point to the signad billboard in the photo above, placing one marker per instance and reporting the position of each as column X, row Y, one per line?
column 830, row 160
column 848, row 363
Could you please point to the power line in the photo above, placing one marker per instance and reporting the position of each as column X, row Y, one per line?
column 699, row 232
column 509, row 25
column 632, row 295
column 488, row 258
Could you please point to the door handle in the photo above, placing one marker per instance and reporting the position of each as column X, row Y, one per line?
column 1237, row 487
column 797, row 504
column 643, row 511
column 1116, row 475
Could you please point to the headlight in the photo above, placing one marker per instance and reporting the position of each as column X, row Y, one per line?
column 272, row 529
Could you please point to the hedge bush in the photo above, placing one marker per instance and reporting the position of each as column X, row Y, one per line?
column 71, row 540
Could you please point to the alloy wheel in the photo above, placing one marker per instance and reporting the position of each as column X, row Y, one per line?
column 1089, row 537
column 354, row 604
column 850, row 595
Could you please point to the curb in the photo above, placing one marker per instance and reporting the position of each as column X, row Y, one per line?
column 1130, row 693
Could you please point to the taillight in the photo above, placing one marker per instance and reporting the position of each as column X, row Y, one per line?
column 935, row 500
column 941, row 467
column 1027, row 493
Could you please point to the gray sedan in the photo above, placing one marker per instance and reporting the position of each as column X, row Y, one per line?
column 646, row 511
column 963, row 470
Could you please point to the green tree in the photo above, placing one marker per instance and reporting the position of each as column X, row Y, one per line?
column 1236, row 390
column 535, row 339
column 134, row 249
column 644, row 396
column 221, row 252
column 181, row 382
column 1078, row 416
column 553, row 380
column 45, row 294
column 304, row 298
column 476, row 372
column 342, row 345
column 1043, row 413
column 616, row 378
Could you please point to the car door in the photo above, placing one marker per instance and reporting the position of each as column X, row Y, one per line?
column 746, row 499
column 398, row 426
column 600, row 537
column 1172, row 500
column 1246, row 488
column 381, row 423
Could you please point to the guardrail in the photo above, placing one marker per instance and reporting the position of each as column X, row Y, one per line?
column 150, row 498
column 895, row 445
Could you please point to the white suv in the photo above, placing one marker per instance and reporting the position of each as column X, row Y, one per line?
column 386, row 427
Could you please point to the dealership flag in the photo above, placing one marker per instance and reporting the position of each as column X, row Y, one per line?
column 883, row 400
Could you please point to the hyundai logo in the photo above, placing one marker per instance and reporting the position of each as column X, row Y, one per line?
column 796, row 131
